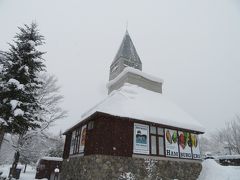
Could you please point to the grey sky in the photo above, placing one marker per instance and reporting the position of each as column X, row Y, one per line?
column 193, row 45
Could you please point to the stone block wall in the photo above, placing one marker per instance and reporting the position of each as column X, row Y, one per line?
column 101, row 167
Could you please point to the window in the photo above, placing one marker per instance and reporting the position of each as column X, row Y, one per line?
column 153, row 145
column 90, row 125
column 160, row 145
column 157, row 140
column 72, row 142
column 75, row 141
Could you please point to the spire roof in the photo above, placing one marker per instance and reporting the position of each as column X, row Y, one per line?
column 127, row 50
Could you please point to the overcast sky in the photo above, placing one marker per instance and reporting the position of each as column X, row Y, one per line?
column 193, row 45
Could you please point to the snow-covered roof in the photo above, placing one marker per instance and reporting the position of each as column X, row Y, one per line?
column 134, row 71
column 52, row 158
column 135, row 102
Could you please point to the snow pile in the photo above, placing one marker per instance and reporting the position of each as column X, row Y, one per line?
column 212, row 170
column 18, row 112
column 16, row 83
column 134, row 71
column 1, row 68
column 138, row 103
column 2, row 121
column 32, row 43
column 14, row 104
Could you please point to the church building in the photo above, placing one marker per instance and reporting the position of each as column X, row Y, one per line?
column 134, row 125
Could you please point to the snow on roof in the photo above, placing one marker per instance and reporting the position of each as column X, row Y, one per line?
column 52, row 158
column 135, row 102
column 134, row 71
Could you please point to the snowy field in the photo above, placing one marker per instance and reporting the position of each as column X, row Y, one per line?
column 211, row 171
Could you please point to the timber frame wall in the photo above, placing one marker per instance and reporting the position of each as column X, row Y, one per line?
column 110, row 135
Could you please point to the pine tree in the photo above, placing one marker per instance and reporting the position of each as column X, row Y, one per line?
column 19, row 84
column 2, row 72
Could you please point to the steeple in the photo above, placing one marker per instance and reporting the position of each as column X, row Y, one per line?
column 126, row 57
column 127, row 68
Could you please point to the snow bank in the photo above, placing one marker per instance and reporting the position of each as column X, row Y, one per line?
column 212, row 170
column 138, row 103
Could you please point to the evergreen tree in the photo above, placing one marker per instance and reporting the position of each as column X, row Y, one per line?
column 19, row 83
column 2, row 121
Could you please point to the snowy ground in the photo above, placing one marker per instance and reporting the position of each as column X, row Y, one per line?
column 211, row 171
column 29, row 175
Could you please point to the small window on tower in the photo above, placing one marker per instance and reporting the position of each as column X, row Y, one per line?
column 90, row 125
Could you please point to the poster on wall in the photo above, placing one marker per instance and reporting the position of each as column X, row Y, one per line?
column 171, row 143
column 185, row 144
column 83, row 138
column 72, row 142
column 195, row 146
column 141, row 139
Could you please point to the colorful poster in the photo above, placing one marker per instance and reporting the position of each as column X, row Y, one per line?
column 171, row 143
column 141, row 139
column 195, row 146
column 83, row 138
column 185, row 145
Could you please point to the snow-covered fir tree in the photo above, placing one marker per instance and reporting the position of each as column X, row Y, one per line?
column 19, row 82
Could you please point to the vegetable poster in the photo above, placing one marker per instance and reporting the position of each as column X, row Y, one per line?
column 171, row 142
column 185, row 144
column 195, row 146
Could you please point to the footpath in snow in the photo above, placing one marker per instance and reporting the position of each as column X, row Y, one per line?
column 214, row 171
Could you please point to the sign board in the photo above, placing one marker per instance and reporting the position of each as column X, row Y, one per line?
column 141, row 139
column 83, row 138
column 195, row 146
column 185, row 144
column 171, row 143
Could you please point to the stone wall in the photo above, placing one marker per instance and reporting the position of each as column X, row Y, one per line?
column 101, row 167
